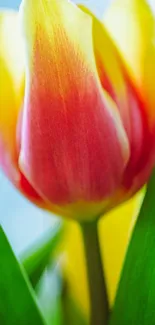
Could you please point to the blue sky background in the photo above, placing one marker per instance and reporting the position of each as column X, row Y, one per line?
column 22, row 221
column 96, row 5
column 9, row 3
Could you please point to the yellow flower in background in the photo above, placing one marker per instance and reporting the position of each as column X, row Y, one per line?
column 114, row 233
column 76, row 137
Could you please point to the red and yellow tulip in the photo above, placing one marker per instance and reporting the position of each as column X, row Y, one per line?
column 77, row 128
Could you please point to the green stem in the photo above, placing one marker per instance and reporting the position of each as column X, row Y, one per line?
column 99, row 306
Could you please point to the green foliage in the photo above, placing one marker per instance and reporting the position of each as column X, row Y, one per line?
column 37, row 256
column 47, row 305
column 18, row 304
column 51, row 304
column 135, row 300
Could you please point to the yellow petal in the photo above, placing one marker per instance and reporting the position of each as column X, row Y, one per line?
column 11, row 86
column 132, row 25
column 113, row 73
column 114, row 230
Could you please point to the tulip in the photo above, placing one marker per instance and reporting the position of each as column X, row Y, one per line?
column 76, row 138
column 76, row 129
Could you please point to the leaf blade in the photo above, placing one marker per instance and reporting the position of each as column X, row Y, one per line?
column 135, row 297
column 17, row 299
column 36, row 257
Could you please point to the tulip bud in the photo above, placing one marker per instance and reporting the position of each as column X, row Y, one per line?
column 83, row 130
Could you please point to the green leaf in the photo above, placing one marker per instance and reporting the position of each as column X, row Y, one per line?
column 135, row 300
column 36, row 257
column 49, row 290
column 18, row 305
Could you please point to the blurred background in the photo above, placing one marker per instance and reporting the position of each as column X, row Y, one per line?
column 22, row 221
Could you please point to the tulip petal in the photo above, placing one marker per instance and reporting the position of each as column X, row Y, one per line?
column 132, row 25
column 11, row 82
column 73, row 145
column 118, row 83
column 11, row 100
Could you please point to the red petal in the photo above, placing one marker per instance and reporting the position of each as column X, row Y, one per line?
column 73, row 144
